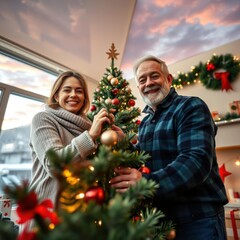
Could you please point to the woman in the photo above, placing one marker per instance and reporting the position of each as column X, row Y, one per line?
column 63, row 126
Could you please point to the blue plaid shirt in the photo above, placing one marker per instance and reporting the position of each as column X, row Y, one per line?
column 180, row 137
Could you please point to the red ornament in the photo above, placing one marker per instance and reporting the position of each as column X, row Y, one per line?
column 136, row 218
column 223, row 172
column 210, row 66
column 138, row 122
column 131, row 102
column 134, row 141
column 93, row 108
column 96, row 194
column 115, row 101
column 115, row 91
column 144, row 170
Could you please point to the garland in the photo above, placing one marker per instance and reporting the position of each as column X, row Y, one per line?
column 216, row 74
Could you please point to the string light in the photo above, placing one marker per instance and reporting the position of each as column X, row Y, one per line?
column 237, row 163
column 51, row 226
column 91, row 168
column 80, row 195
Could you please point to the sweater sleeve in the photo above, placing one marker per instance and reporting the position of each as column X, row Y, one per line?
column 46, row 134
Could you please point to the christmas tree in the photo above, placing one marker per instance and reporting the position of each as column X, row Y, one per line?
column 88, row 208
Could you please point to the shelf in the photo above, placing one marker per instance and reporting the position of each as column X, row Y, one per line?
column 226, row 122
column 235, row 147
column 232, row 205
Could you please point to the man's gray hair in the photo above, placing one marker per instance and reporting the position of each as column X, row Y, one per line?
column 163, row 65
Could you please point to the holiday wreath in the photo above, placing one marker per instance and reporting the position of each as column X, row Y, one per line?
column 216, row 74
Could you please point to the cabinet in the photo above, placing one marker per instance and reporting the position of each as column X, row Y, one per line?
column 230, row 157
column 228, row 133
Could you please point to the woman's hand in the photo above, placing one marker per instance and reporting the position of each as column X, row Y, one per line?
column 119, row 132
column 99, row 119
column 126, row 177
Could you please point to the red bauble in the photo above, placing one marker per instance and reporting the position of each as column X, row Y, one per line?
column 115, row 101
column 144, row 170
column 138, row 122
column 93, row 108
column 134, row 141
column 96, row 194
column 115, row 91
column 136, row 218
column 131, row 102
column 210, row 66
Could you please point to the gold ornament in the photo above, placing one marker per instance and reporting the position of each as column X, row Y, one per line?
column 109, row 138
column 128, row 90
column 114, row 81
column 110, row 77
column 171, row 235
column 108, row 101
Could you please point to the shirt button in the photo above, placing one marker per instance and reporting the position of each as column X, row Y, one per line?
column 153, row 121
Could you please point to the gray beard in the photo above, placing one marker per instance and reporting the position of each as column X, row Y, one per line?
column 153, row 100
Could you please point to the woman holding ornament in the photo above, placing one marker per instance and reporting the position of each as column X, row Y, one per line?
column 64, row 126
column 179, row 134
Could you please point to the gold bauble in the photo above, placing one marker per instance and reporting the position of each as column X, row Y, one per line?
column 108, row 101
column 110, row 77
column 171, row 235
column 114, row 81
column 109, row 138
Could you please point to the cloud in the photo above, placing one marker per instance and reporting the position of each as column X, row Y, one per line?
column 174, row 30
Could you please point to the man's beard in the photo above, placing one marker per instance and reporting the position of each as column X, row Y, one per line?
column 154, row 99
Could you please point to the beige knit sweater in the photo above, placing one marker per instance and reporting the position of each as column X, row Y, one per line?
column 60, row 130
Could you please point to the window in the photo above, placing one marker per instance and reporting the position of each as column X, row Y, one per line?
column 23, row 91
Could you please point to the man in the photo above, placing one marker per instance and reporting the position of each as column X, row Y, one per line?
column 179, row 134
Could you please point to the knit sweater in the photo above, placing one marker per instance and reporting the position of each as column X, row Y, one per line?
column 60, row 130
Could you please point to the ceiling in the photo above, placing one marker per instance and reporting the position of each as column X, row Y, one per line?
column 78, row 33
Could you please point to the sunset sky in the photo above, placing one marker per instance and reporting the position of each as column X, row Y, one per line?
column 177, row 29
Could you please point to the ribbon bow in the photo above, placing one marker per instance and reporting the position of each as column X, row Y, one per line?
column 223, row 76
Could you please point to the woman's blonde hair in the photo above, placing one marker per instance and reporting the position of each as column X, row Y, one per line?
column 51, row 102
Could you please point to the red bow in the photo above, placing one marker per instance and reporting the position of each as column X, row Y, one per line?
column 223, row 76
column 25, row 235
column 28, row 208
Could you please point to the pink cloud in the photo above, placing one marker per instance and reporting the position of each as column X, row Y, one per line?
column 164, row 3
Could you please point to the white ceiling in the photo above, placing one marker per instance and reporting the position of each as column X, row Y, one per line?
column 78, row 33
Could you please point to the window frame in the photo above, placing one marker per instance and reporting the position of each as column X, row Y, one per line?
column 26, row 56
column 7, row 90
